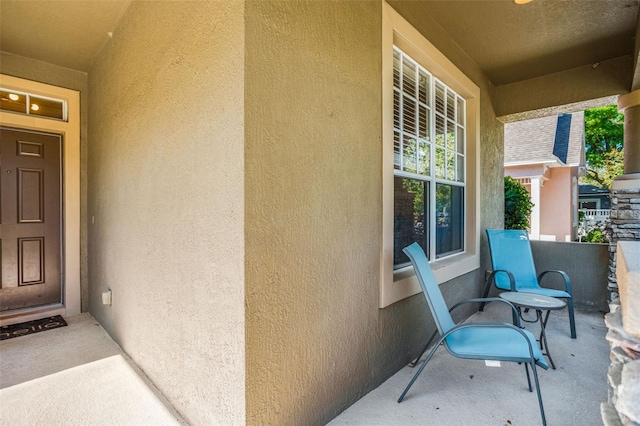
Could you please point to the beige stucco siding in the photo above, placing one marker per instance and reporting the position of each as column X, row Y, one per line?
column 167, row 193
column 313, row 193
column 570, row 90
column 316, row 340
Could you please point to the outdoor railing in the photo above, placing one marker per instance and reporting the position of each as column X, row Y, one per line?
column 596, row 215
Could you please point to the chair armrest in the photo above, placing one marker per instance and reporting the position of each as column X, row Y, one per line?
column 516, row 317
column 512, row 279
column 491, row 325
column 567, row 280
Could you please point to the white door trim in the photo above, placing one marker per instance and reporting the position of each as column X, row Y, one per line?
column 70, row 131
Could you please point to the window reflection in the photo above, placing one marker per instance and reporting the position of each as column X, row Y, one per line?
column 46, row 107
column 449, row 219
column 15, row 102
column 410, row 217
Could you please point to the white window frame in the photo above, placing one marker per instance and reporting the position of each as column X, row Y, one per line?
column 589, row 200
column 29, row 96
column 399, row 284
column 430, row 176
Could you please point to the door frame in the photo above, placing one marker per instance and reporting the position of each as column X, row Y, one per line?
column 70, row 168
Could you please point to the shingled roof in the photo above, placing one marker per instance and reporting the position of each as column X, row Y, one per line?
column 585, row 189
column 555, row 138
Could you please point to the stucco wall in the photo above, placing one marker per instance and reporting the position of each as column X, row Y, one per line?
column 556, row 204
column 316, row 340
column 526, row 170
column 167, row 193
column 555, row 93
column 586, row 264
column 29, row 69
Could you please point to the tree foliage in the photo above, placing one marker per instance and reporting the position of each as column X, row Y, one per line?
column 603, row 135
column 517, row 204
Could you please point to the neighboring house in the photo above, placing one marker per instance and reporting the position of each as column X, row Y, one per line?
column 593, row 197
column 229, row 170
column 546, row 155
column 595, row 202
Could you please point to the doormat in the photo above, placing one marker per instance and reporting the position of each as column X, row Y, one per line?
column 31, row 327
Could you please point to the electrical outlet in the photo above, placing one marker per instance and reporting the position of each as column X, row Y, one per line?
column 106, row 298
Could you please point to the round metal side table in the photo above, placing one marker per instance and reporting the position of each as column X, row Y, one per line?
column 539, row 303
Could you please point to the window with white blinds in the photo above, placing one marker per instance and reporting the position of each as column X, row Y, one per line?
column 429, row 161
column 417, row 127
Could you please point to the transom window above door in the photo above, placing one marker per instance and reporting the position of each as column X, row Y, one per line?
column 30, row 104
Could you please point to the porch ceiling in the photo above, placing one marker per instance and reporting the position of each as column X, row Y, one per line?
column 517, row 42
column 65, row 33
column 510, row 43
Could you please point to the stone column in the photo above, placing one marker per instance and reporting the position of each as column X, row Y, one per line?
column 623, row 321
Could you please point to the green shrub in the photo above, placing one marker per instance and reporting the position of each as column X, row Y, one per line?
column 595, row 236
column 590, row 231
column 517, row 204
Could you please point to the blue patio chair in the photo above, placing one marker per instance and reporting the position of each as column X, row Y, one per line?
column 514, row 270
column 480, row 341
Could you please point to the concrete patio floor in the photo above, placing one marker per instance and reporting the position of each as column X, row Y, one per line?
column 452, row 391
column 94, row 383
column 76, row 375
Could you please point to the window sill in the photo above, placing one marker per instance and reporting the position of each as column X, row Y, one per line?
column 405, row 283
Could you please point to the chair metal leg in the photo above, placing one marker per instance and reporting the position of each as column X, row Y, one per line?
column 487, row 287
column 535, row 377
column 544, row 345
column 572, row 321
column 526, row 367
column 415, row 361
column 424, row 364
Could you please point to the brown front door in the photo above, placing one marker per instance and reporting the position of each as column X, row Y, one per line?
column 30, row 229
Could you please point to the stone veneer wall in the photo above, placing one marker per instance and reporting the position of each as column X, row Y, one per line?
column 623, row 405
column 624, row 226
